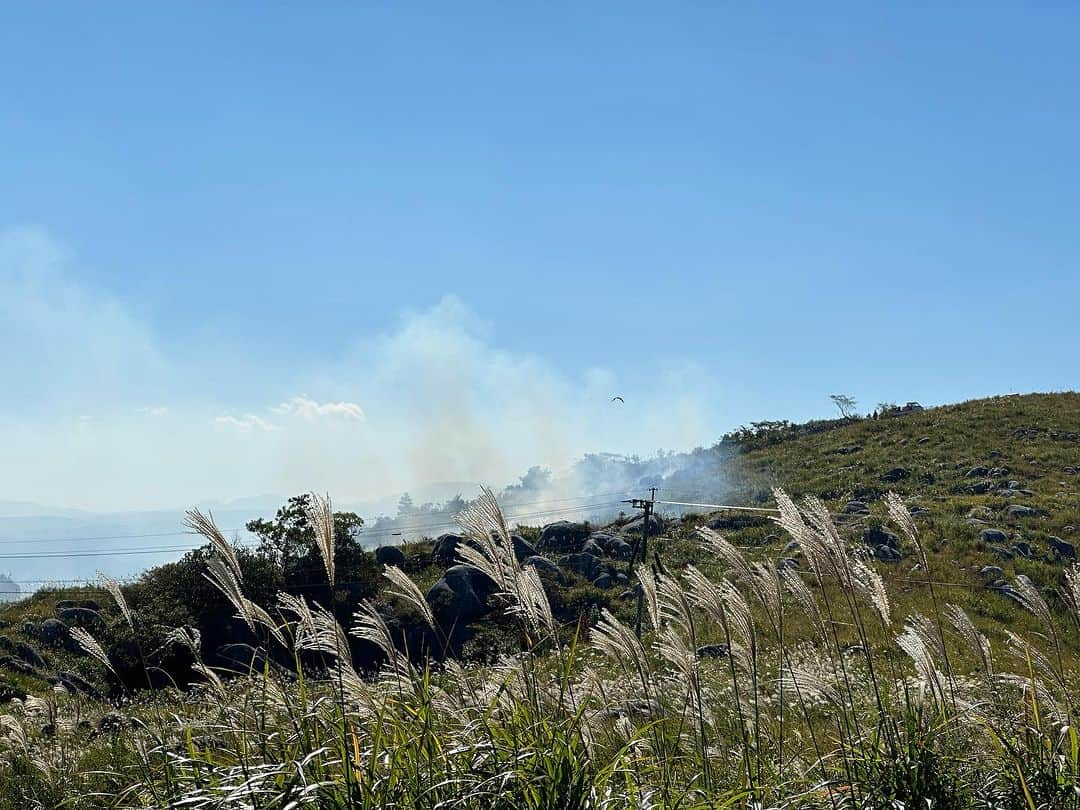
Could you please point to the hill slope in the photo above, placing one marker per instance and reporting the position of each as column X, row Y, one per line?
column 994, row 492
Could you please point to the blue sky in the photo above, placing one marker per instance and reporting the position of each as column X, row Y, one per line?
column 253, row 247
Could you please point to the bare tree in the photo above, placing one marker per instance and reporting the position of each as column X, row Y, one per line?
column 845, row 404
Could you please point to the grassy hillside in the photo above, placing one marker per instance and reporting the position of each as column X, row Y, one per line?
column 880, row 659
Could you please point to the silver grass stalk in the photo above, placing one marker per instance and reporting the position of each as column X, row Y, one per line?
column 405, row 589
column 901, row 516
column 38, row 706
column 820, row 521
column 1031, row 600
column 320, row 514
column 618, row 642
column 704, row 593
column 533, row 600
column 483, row 522
column 926, row 631
column 369, row 626
column 14, row 730
column 1071, row 591
column 113, row 588
column 797, row 587
column 674, row 606
column 187, row 637
column 1031, row 655
column 819, row 555
column 740, row 619
column 871, row 585
column 975, row 640
column 315, row 628
column 1049, row 706
column 723, row 549
column 912, row 644
column 204, row 525
column 647, row 581
column 91, row 647
column 810, row 684
column 211, row 677
column 491, row 550
column 222, row 577
column 765, row 583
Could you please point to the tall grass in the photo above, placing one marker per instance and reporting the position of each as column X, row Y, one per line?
column 819, row 697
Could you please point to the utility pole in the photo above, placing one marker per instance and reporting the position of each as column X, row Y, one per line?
column 641, row 545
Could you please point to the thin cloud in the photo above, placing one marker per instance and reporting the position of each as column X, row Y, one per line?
column 247, row 423
column 307, row 408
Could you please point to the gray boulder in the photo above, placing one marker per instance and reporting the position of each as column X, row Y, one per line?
column 992, row 572
column 1061, row 549
column 887, row 554
column 620, row 549
column 390, row 555
column 602, row 581
column 856, row 508
column 977, row 472
column 81, row 617
column 593, row 548
column 1005, row 589
column 75, row 684
column 460, row 596
column 877, row 537
column 895, row 474
column 584, row 565
column 656, row 525
column 993, row 536
column 1001, row 552
column 10, row 693
column 523, row 549
column 445, row 549
column 1016, row 510
column 543, row 566
column 713, row 651
column 53, row 631
column 13, row 664
column 29, row 655
column 603, row 540
column 112, row 721
column 563, row 537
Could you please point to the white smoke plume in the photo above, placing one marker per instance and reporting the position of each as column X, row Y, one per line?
column 103, row 414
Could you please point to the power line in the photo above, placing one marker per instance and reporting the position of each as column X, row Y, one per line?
column 453, row 524
column 123, row 552
column 721, row 506
column 418, row 527
column 83, row 539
